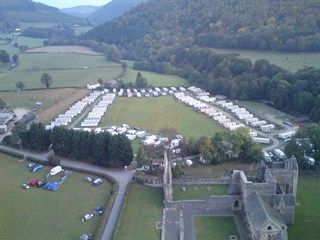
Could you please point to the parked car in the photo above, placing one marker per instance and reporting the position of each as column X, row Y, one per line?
column 25, row 186
column 41, row 184
column 87, row 217
column 97, row 182
column 88, row 179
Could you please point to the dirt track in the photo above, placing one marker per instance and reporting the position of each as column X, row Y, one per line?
column 61, row 106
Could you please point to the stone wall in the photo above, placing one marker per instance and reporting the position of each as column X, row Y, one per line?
column 201, row 181
column 219, row 203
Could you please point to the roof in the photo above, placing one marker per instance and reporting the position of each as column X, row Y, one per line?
column 261, row 213
column 279, row 199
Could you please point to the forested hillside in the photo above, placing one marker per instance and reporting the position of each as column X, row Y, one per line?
column 113, row 9
column 14, row 11
column 175, row 37
column 289, row 25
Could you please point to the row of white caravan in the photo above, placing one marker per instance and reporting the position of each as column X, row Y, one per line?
column 207, row 109
column 98, row 111
column 74, row 110
column 154, row 140
column 148, row 92
column 243, row 114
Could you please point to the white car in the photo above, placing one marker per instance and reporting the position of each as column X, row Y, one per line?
column 87, row 217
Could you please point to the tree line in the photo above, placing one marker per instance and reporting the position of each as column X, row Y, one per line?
column 98, row 148
column 223, row 146
column 305, row 143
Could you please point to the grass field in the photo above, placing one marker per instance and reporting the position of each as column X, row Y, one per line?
column 209, row 170
column 198, row 191
column 38, row 214
column 155, row 79
column 307, row 214
column 80, row 30
column 65, row 69
column 25, row 25
column 289, row 61
column 215, row 228
column 158, row 112
column 141, row 210
column 261, row 109
column 30, row 42
column 28, row 99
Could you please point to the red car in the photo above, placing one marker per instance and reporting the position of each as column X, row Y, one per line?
column 32, row 182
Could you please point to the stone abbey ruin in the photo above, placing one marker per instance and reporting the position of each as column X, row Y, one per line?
column 261, row 209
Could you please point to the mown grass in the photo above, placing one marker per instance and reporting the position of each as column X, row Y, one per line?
column 209, row 170
column 307, row 214
column 261, row 109
column 66, row 70
column 30, row 42
column 215, row 228
column 158, row 112
column 139, row 214
column 155, row 79
column 28, row 99
column 289, row 61
column 193, row 192
column 80, row 30
column 38, row 214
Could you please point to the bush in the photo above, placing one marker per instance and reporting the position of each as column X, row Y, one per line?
column 54, row 160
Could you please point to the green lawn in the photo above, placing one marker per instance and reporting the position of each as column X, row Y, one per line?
column 141, row 210
column 158, row 112
column 215, row 228
column 155, row 79
column 307, row 214
column 38, row 214
column 198, row 191
column 30, row 42
column 209, row 170
column 262, row 109
column 65, row 69
column 289, row 61
column 80, row 30
column 28, row 99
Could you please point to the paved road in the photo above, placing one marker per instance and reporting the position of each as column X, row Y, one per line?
column 123, row 177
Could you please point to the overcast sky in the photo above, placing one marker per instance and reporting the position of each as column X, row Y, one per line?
column 72, row 3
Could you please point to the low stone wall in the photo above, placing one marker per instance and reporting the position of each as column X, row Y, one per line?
column 220, row 203
column 201, row 181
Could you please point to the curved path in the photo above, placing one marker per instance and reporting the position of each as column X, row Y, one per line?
column 123, row 177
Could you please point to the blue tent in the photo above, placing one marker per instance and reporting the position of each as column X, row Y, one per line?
column 51, row 186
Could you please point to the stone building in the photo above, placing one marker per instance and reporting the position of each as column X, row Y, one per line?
column 268, row 206
column 261, row 209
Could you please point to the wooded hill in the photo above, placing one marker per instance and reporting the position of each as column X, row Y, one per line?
column 288, row 25
column 113, row 9
column 14, row 11
column 174, row 37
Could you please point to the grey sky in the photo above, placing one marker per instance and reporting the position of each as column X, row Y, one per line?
column 72, row 3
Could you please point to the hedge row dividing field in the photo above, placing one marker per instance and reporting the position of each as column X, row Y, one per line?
column 38, row 214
